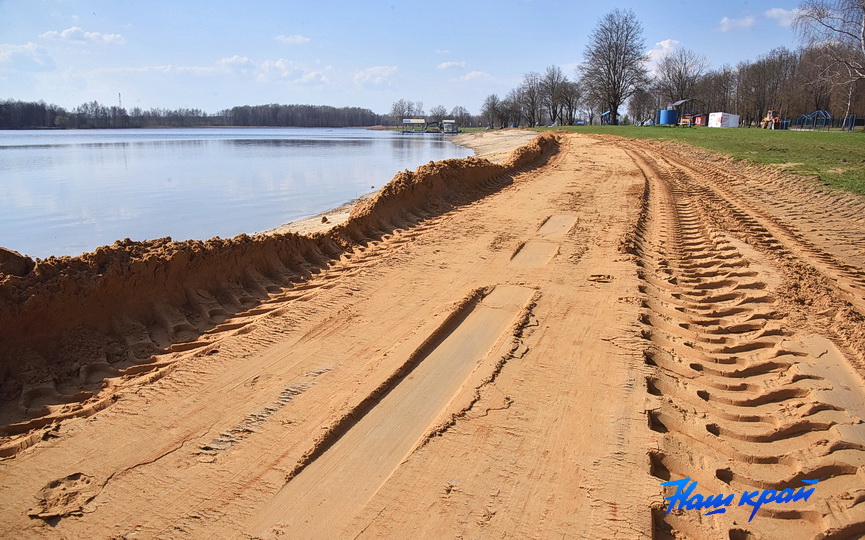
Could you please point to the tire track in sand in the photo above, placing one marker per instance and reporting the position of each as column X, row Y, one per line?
column 742, row 400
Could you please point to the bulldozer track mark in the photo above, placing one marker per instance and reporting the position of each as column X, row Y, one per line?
column 733, row 382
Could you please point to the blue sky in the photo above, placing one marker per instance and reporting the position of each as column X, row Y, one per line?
column 213, row 55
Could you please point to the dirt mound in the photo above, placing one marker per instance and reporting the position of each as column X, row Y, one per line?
column 15, row 264
column 69, row 322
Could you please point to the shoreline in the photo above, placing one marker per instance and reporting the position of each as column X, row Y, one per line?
column 495, row 146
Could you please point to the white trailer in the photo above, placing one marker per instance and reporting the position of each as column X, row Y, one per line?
column 722, row 119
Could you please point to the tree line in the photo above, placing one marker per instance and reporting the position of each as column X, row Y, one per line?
column 34, row 115
column 826, row 73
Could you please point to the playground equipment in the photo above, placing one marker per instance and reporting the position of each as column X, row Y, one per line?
column 816, row 121
column 771, row 120
column 849, row 123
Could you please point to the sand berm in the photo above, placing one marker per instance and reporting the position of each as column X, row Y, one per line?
column 67, row 322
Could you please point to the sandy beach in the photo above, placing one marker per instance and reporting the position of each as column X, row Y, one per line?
column 525, row 346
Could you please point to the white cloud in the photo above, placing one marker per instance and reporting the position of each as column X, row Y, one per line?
column 278, row 69
column 294, row 39
column 77, row 35
column 315, row 77
column 291, row 72
column 27, row 57
column 728, row 24
column 446, row 65
column 661, row 50
column 442, row 51
column 784, row 17
column 475, row 75
column 167, row 68
column 374, row 76
column 235, row 64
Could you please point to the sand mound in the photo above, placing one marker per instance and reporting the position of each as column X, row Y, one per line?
column 13, row 263
column 69, row 322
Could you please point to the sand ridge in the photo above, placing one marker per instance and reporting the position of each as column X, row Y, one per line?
column 522, row 349
column 73, row 321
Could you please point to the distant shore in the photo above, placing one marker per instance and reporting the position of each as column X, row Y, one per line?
column 494, row 145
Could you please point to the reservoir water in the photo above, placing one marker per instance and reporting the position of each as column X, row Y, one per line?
column 68, row 192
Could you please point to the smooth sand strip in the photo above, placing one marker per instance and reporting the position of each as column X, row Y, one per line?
column 318, row 503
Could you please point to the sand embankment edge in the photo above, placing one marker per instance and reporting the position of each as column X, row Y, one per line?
column 71, row 321
column 493, row 145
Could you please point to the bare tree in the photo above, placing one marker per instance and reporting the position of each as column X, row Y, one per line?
column 838, row 22
column 766, row 84
column 438, row 113
column 571, row 94
column 551, row 92
column 399, row 110
column 531, row 97
column 642, row 105
column 614, row 62
column 461, row 115
column 490, row 110
column 512, row 108
column 679, row 72
column 717, row 89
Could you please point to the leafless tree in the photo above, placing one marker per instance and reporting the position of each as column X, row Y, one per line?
column 614, row 61
column 642, row 105
column 551, row 92
column 461, row 115
column 766, row 84
column 399, row 110
column 838, row 22
column 531, row 98
column 817, row 76
column 512, row 108
column 679, row 72
column 717, row 89
column 571, row 94
column 438, row 113
column 490, row 110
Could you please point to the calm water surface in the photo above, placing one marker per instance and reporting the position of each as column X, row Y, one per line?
column 67, row 192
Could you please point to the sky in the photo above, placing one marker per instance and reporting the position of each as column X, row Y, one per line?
column 213, row 55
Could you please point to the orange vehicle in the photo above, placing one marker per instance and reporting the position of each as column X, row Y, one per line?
column 771, row 121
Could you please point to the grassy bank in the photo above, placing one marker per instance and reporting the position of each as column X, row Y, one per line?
column 838, row 159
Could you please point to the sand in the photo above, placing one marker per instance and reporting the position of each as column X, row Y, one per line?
column 526, row 348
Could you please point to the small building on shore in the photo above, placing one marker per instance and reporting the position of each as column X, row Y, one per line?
column 419, row 125
column 413, row 125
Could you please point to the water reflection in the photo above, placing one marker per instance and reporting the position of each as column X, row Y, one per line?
column 68, row 192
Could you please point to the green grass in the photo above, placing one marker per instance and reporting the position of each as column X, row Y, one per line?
column 837, row 159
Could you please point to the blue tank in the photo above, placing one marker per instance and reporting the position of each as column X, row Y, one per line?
column 667, row 117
